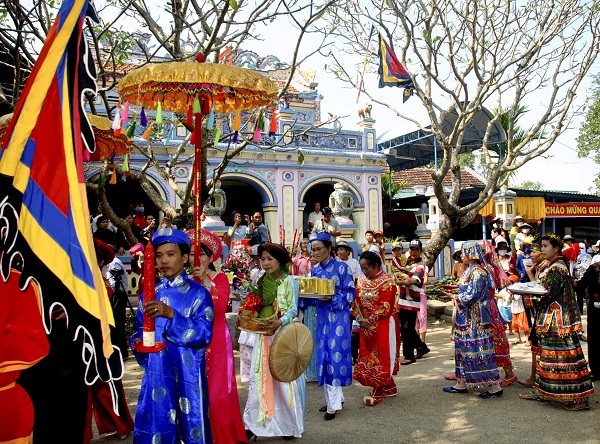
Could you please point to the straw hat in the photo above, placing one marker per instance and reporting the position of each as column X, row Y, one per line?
column 290, row 353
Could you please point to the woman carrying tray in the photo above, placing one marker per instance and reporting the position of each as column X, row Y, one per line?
column 562, row 373
column 334, row 358
column 274, row 408
column 375, row 306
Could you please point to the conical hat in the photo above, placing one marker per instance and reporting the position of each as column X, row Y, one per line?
column 290, row 353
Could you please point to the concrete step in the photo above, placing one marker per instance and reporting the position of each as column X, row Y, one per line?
column 448, row 310
column 435, row 307
column 446, row 318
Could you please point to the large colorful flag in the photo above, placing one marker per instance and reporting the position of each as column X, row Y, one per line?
column 44, row 220
column 391, row 71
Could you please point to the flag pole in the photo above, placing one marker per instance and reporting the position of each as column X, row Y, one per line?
column 362, row 74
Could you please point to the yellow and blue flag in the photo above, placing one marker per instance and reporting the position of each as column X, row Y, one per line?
column 44, row 219
column 392, row 72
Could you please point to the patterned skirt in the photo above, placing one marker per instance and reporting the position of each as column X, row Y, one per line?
column 474, row 356
column 501, row 347
column 562, row 373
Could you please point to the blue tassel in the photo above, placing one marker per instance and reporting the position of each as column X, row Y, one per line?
column 210, row 123
column 143, row 119
column 235, row 137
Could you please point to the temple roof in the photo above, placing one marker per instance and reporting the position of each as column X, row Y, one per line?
column 422, row 176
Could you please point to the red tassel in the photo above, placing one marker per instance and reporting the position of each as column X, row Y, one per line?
column 193, row 137
column 190, row 116
column 127, row 173
column 198, row 132
column 273, row 127
column 118, row 132
column 205, row 106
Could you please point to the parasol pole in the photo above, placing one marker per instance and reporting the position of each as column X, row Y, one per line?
column 197, row 190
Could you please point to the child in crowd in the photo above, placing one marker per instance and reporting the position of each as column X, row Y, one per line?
column 504, row 305
column 519, row 318
column 380, row 244
column 369, row 238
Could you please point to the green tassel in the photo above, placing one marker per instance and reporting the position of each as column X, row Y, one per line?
column 159, row 119
column 126, row 163
column 261, row 120
column 196, row 106
column 131, row 129
column 217, row 135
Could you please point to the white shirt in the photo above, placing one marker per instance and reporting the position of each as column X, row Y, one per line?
column 354, row 267
column 314, row 217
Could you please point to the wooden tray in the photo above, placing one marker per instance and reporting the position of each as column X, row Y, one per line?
column 321, row 297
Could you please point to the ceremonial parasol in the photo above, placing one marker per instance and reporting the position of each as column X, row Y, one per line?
column 197, row 89
column 4, row 122
column 108, row 144
column 106, row 140
column 290, row 352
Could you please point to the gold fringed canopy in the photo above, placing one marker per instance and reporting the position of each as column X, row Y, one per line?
column 106, row 140
column 176, row 84
column 531, row 208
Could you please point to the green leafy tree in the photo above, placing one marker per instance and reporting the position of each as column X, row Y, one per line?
column 530, row 185
column 588, row 142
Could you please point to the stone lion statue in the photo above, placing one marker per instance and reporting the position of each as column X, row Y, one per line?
column 365, row 111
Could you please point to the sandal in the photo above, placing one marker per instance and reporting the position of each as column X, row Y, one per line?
column 525, row 384
column 489, row 395
column 517, row 342
column 530, row 396
column 371, row 400
column 507, row 382
column 451, row 377
column 576, row 406
column 454, row 390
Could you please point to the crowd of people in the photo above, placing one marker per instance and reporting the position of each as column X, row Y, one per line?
column 375, row 321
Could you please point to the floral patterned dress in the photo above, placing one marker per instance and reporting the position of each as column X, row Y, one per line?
column 376, row 357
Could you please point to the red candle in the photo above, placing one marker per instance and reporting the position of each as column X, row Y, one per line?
column 149, row 344
column 149, row 334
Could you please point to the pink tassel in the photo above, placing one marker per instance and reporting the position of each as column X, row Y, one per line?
column 125, row 114
column 256, row 134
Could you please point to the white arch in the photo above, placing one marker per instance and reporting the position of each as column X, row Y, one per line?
column 262, row 187
column 157, row 182
column 329, row 180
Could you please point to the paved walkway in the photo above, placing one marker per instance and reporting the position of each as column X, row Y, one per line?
column 422, row 413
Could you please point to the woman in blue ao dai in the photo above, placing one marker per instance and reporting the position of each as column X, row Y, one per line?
column 334, row 328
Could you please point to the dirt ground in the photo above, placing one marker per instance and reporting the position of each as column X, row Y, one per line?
column 422, row 413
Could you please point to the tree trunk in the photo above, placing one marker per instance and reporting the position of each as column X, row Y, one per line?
column 438, row 242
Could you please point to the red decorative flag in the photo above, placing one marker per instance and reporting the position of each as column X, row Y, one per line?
column 391, row 71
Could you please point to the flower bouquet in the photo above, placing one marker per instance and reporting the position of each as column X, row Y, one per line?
column 237, row 267
column 237, row 264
